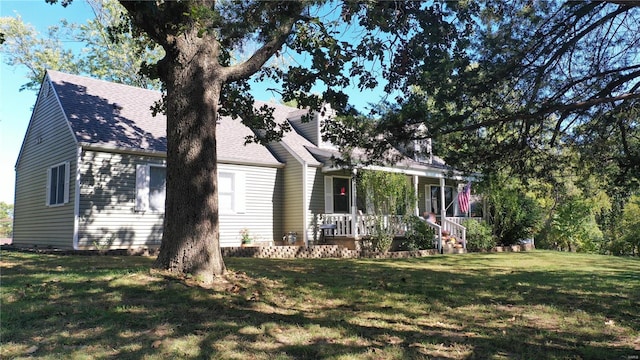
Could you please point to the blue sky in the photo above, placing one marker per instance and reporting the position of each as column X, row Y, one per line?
column 15, row 105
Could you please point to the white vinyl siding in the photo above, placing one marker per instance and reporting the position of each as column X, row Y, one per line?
column 257, row 198
column 48, row 142
column 109, row 203
column 110, row 215
column 315, row 197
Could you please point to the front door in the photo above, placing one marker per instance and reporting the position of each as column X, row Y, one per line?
column 434, row 202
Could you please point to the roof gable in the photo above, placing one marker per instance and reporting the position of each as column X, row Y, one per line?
column 111, row 115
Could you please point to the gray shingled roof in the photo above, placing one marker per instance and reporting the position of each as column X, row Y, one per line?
column 112, row 115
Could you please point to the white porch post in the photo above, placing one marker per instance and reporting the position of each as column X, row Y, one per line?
column 354, row 205
column 443, row 202
column 416, row 210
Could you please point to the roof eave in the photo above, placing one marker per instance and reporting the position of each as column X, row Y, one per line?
column 156, row 153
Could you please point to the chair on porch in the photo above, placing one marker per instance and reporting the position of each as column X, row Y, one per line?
column 324, row 228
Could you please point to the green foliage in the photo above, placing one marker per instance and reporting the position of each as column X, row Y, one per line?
column 574, row 227
column 23, row 45
column 419, row 235
column 381, row 236
column 384, row 194
column 111, row 50
column 629, row 243
column 515, row 215
column 479, row 235
column 6, row 219
column 245, row 236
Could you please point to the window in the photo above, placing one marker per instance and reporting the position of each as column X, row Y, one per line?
column 341, row 195
column 231, row 192
column 337, row 194
column 157, row 187
column 58, row 184
column 151, row 187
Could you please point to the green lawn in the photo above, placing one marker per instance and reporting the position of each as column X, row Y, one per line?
column 533, row 305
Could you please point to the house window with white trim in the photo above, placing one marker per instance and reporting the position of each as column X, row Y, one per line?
column 337, row 194
column 231, row 192
column 58, row 184
column 151, row 187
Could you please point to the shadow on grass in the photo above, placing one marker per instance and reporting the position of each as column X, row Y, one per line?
column 476, row 306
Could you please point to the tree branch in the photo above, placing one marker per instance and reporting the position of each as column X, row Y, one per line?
column 260, row 57
column 543, row 111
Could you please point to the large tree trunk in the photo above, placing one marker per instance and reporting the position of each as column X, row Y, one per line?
column 193, row 77
column 191, row 239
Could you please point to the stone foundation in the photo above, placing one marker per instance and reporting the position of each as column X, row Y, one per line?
column 281, row 252
column 318, row 252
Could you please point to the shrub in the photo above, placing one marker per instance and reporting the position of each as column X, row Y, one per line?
column 515, row 216
column 479, row 235
column 419, row 235
column 381, row 242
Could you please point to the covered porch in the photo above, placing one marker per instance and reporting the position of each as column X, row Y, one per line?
column 342, row 226
column 434, row 193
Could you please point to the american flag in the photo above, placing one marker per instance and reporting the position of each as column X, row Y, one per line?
column 463, row 198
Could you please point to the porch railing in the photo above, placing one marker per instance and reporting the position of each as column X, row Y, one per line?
column 460, row 220
column 456, row 230
column 438, row 235
column 343, row 223
column 365, row 225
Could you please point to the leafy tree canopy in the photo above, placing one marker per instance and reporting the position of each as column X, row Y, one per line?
column 518, row 83
column 108, row 53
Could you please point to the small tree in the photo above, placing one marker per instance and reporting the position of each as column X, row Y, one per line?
column 385, row 194
column 514, row 215
column 630, row 241
column 6, row 219
column 574, row 227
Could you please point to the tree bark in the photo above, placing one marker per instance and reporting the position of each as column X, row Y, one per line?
column 193, row 80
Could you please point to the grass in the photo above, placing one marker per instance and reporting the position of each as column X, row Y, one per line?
column 534, row 305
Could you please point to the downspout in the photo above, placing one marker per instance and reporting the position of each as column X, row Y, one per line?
column 354, row 205
column 443, row 205
column 443, row 209
column 76, row 200
column 416, row 211
column 305, row 197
